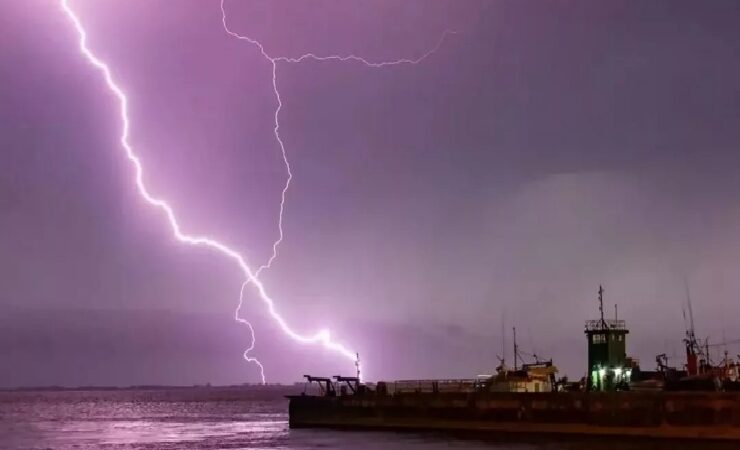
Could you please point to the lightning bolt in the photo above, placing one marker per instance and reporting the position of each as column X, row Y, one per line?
column 322, row 337
column 245, row 355
column 273, row 60
column 276, row 130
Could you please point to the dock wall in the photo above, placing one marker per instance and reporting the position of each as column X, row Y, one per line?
column 707, row 415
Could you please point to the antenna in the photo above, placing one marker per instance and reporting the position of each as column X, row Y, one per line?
column 616, row 314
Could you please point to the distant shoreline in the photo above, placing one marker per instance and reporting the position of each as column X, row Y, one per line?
column 244, row 387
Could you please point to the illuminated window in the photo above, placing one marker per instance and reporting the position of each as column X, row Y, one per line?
column 598, row 338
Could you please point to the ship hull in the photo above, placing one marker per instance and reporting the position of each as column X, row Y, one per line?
column 659, row 415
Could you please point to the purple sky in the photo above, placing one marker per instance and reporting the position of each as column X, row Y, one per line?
column 547, row 148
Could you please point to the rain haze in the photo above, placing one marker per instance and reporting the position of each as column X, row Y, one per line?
column 543, row 149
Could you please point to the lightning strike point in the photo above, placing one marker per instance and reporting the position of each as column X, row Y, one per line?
column 245, row 355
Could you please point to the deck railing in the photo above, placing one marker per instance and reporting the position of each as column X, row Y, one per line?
column 460, row 385
column 609, row 324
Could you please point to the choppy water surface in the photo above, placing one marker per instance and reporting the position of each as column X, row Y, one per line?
column 196, row 419
column 172, row 419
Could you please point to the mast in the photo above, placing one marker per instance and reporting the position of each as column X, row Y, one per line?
column 692, row 346
column 516, row 350
column 601, row 305
column 503, row 340
column 357, row 365
column 691, row 312
column 706, row 345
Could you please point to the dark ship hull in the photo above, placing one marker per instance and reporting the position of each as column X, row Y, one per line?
column 661, row 415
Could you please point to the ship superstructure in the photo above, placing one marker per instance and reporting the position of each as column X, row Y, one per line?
column 608, row 365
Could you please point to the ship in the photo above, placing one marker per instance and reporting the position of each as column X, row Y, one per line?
column 699, row 372
column 615, row 399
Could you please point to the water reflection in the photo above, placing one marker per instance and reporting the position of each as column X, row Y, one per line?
column 213, row 419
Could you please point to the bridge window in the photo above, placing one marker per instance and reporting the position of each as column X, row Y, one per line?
column 598, row 338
